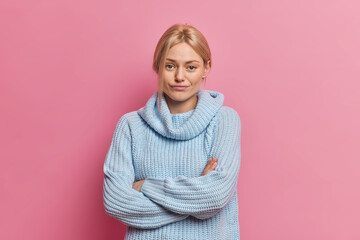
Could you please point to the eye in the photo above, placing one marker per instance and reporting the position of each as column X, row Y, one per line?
column 192, row 67
column 169, row 66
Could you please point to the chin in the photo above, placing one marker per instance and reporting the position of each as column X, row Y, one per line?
column 179, row 96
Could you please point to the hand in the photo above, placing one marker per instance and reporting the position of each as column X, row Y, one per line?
column 137, row 185
column 210, row 166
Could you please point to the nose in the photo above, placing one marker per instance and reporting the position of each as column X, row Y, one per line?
column 179, row 75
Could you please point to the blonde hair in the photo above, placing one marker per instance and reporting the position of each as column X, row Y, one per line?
column 178, row 33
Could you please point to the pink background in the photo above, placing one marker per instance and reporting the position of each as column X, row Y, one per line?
column 70, row 69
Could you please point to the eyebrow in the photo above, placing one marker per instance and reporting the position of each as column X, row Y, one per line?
column 172, row 60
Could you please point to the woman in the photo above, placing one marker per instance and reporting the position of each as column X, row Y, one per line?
column 172, row 167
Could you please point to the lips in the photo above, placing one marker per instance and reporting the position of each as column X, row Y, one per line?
column 179, row 87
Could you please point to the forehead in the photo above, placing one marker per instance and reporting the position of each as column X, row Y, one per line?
column 183, row 52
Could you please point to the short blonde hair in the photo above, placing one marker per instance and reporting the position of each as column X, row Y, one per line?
column 178, row 33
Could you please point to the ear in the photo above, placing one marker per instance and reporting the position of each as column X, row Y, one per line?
column 207, row 68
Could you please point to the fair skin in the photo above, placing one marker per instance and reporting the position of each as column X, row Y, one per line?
column 186, row 68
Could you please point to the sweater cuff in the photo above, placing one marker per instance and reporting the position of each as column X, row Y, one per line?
column 154, row 188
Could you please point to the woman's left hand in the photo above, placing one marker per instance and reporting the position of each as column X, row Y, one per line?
column 137, row 185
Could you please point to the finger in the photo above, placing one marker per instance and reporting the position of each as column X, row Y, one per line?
column 211, row 164
column 213, row 159
column 211, row 168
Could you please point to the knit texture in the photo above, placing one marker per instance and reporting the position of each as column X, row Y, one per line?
column 170, row 151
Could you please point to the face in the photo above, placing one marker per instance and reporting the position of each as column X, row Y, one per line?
column 183, row 67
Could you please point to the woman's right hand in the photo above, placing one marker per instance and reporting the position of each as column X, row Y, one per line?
column 210, row 166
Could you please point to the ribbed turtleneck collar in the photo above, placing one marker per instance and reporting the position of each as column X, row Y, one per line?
column 182, row 126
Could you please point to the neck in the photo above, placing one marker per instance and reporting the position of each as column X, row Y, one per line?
column 181, row 106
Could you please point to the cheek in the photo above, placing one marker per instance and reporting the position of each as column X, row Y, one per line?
column 168, row 76
column 196, row 76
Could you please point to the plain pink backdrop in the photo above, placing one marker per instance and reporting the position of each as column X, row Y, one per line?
column 70, row 69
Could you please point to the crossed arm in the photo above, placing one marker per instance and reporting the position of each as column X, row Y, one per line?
column 210, row 166
column 121, row 201
column 165, row 200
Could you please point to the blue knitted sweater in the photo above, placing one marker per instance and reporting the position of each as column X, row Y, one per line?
column 170, row 151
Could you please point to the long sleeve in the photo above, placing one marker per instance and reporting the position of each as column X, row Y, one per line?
column 121, row 201
column 204, row 196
